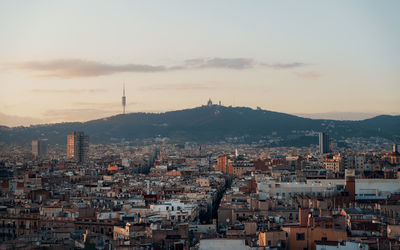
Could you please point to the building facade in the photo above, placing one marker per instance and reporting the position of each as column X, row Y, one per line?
column 334, row 163
column 323, row 143
column 270, row 188
column 39, row 147
column 78, row 146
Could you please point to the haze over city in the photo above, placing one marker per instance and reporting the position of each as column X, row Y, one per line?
column 67, row 60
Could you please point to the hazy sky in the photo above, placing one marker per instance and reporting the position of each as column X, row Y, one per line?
column 67, row 60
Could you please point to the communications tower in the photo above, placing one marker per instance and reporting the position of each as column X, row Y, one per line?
column 123, row 100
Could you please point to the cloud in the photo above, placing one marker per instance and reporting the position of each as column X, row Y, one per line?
column 70, row 115
column 84, row 111
column 286, row 65
column 13, row 120
column 344, row 116
column 308, row 75
column 69, row 68
column 106, row 105
column 217, row 62
column 66, row 91
column 237, row 63
column 178, row 86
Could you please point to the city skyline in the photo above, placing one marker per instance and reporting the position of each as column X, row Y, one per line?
column 200, row 125
column 59, row 63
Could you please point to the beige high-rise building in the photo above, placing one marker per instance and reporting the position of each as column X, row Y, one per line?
column 78, row 146
column 334, row 163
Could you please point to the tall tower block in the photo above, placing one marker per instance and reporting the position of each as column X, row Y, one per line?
column 123, row 100
column 39, row 147
column 78, row 146
column 323, row 143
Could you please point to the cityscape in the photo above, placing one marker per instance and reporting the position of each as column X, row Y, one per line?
column 209, row 152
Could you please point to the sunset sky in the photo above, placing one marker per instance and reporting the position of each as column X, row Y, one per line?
column 67, row 60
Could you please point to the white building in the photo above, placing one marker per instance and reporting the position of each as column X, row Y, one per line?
column 220, row 243
column 348, row 245
column 366, row 187
column 176, row 210
column 270, row 188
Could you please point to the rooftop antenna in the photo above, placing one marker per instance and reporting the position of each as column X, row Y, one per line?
column 123, row 100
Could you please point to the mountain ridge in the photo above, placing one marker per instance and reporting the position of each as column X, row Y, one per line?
column 203, row 124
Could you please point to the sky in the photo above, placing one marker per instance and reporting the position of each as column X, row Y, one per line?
column 67, row 60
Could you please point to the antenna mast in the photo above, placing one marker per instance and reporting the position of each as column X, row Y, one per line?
column 123, row 100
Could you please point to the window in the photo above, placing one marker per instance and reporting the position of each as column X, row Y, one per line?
column 300, row 236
